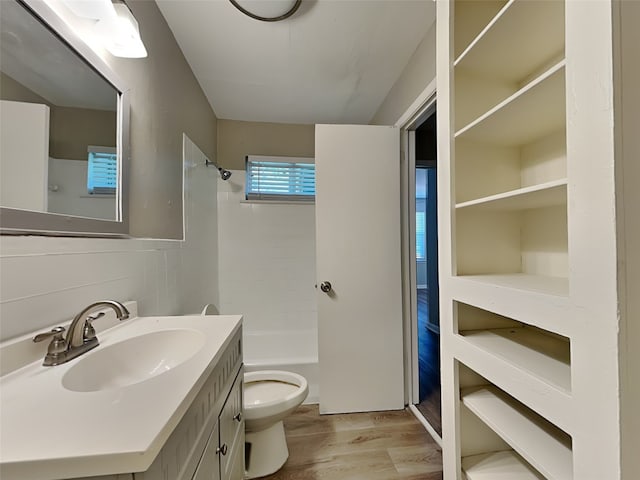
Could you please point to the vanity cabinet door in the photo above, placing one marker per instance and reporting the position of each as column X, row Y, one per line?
column 235, row 466
column 209, row 466
column 232, row 433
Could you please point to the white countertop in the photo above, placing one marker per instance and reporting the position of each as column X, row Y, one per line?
column 47, row 431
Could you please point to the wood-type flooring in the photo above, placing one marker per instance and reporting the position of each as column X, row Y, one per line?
column 358, row 446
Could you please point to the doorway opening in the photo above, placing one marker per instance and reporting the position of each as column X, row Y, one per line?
column 425, row 395
column 427, row 290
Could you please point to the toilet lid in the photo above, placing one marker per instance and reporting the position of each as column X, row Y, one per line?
column 265, row 391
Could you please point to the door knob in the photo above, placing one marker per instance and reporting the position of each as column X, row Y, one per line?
column 325, row 287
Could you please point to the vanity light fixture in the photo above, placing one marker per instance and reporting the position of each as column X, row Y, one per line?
column 92, row 9
column 121, row 34
column 267, row 10
column 115, row 25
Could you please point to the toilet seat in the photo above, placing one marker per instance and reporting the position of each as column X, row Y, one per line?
column 265, row 392
column 268, row 392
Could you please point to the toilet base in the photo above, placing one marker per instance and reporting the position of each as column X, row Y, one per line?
column 268, row 451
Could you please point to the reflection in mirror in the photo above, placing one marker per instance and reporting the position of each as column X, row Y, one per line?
column 60, row 122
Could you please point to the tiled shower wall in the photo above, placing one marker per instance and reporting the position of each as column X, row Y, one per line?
column 266, row 261
column 47, row 280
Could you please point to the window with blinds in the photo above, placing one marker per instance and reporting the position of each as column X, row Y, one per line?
column 280, row 178
column 102, row 171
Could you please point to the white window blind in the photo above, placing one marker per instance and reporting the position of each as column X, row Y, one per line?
column 102, row 171
column 421, row 239
column 280, row 178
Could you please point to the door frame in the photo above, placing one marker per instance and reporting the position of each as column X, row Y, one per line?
column 409, row 195
column 423, row 106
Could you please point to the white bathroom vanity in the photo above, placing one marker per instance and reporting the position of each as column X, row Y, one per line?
column 159, row 398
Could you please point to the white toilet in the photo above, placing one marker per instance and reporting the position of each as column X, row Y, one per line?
column 269, row 397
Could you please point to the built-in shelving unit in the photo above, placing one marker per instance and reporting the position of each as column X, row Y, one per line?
column 512, row 207
column 510, row 154
column 544, row 446
column 532, row 246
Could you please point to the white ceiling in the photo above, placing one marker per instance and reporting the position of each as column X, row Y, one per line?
column 334, row 61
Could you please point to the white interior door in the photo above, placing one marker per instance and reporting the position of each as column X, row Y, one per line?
column 360, row 340
column 24, row 149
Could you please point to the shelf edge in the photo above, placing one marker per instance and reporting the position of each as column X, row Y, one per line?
column 513, row 193
column 484, row 31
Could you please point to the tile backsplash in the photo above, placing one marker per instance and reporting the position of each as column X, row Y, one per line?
column 44, row 280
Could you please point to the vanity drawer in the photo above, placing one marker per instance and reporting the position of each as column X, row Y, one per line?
column 232, row 427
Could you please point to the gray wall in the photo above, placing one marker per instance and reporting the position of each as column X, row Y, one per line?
column 72, row 130
column 237, row 139
column 166, row 100
column 416, row 76
column 13, row 90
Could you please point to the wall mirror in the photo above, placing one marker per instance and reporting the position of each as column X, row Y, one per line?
column 63, row 129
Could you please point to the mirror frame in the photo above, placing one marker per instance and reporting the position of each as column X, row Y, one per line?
column 14, row 221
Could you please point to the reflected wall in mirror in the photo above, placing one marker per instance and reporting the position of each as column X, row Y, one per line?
column 62, row 127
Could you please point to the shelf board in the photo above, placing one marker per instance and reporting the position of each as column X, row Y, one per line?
column 545, row 356
column 533, row 112
column 557, row 286
column 537, row 196
column 505, row 465
column 522, row 35
column 544, row 446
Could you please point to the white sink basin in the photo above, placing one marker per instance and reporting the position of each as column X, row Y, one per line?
column 133, row 360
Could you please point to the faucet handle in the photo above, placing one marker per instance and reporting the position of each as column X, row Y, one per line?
column 91, row 318
column 58, row 343
column 56, row 333
column 89, row 332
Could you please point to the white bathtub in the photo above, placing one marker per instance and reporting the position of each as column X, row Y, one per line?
column 294, row 351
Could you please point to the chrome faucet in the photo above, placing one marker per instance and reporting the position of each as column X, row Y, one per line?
column 81, row 336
